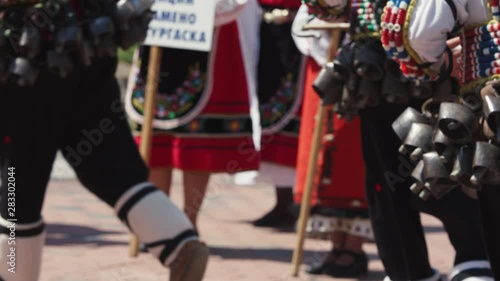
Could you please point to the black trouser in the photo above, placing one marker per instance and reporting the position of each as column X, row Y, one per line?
column 489, row 202
column 81, row 115
column 394, row 209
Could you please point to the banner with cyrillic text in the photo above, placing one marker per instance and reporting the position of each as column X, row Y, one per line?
column 182, row 24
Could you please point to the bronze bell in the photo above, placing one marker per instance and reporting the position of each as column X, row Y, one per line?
column 30, row 42
column 369, row 62
column 457, row 122
column 328, row 84
column 491, row 110
column 462, row 168
column 102, row 31
column 436, row 175
column 486, row 164
column 421, row 90
column 59, row 63
column 23, row 72
column 444, row 146
column 402, row 124
column 418, row 141
column 395, row 87
column 67, row 38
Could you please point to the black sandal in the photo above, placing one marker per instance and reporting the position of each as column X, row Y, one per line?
column 357, row 268
column 317, row 269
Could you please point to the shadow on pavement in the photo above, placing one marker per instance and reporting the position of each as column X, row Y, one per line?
column 272, row 254
column 66, row 234
column 285, row 255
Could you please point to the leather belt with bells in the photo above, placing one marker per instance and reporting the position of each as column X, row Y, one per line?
column 279, row 16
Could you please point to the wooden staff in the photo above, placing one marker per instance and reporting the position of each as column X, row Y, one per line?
column 147, row 124
column 344, row 26
column 305, row 207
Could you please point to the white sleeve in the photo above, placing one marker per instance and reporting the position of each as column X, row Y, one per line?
column 227, row 11
column 430, row 23
column 311, row 43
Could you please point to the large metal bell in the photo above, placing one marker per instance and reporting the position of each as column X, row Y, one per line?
column 369, row 62
column 418, row 187
column 418, row 141
column 472, row 99
column 102, row 31
column 462, row 168
column 136, row 34
column 491, row 109
column 329, row 85
column 402, row 124
column 128, row 9
column 457, row 122
column 344, row 61
column 30, row 42
column 444, row 146
column 23, row 72
column 436, row 175
column 68, row 38
column 486, row 164
column 345, row 109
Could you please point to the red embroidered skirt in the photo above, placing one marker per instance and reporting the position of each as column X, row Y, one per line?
column 339, row 181
column 203, row 107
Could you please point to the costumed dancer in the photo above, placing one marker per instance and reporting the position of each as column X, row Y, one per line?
column 418, row 43
column 207, row 107
column 279, row 88
column 374, row 88
column 58, row 92
column 339, row 206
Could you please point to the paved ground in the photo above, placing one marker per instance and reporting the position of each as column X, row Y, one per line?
column 85, row 242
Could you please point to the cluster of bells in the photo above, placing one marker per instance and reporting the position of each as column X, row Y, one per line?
column 445, row 139
column 450, row 143
column 59, row 48
column 362, row 76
